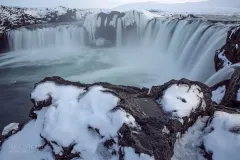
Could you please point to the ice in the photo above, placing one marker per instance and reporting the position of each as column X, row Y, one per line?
column 180, row 100
column 224, row 139
column 218, row 94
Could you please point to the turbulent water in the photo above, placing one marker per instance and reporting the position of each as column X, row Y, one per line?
column 167, row 49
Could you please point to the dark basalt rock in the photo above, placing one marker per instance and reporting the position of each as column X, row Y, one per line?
column 231, row 49
column 230, row 97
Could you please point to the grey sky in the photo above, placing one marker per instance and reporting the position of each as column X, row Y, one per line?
column 97, row 3
column 80, row 3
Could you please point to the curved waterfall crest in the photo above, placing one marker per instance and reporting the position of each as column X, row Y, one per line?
column 191, row 43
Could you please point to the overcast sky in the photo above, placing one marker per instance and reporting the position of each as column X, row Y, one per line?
column 80, row 3
column 95, row 3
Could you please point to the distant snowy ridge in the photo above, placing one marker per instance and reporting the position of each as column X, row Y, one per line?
column 14, row 17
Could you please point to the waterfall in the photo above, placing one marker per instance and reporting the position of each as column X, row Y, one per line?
column 119, row 33
column 190, row 44
column 63, row 36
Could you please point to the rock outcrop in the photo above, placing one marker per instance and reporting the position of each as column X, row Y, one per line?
column 230, row 53
column 152, row 131
column 72, row 120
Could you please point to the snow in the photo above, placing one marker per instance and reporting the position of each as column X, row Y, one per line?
column 218, row 94
column 24, row 144
column 138, row 18
column 238, row 95
column 14, row 15
column 67, row 120
column 131, row 155
column 165, row 130
column 226, row 62
column 180, row 100
column 224, row 140
column 9, row 128
column 113, row 21
column 187, row 147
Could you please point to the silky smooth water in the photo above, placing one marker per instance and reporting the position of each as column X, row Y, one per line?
column 168, row 49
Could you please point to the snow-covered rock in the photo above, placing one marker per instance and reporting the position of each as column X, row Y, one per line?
column 72, row 120
column 14, row 17
column 181, row 100
column 223, row 140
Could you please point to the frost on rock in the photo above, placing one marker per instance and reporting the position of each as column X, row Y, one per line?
column 9, row 128
column 181, row 100
column 223, row 138
column 218, row 94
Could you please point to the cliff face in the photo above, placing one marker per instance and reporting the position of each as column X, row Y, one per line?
column 15, row 17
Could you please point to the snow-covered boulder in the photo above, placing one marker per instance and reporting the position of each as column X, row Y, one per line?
column 184, row 99
column 222, row 140
column 71, row 120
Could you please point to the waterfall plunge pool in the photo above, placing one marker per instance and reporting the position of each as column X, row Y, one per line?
column 175, row 50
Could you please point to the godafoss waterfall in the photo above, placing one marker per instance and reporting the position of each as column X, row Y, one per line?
column 134, row 48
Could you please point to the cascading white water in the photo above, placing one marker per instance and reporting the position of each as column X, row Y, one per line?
column 176, row 48
column 65, row 35
column 119, row 33
column 191, row 44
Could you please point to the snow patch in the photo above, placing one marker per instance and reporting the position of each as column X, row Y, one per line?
column 9, row 128
column 131, row 155
column 226, row 62
column 180, row 100
column 224, row 140
column 187, row 147
column 165, row 130
column 218, row 94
